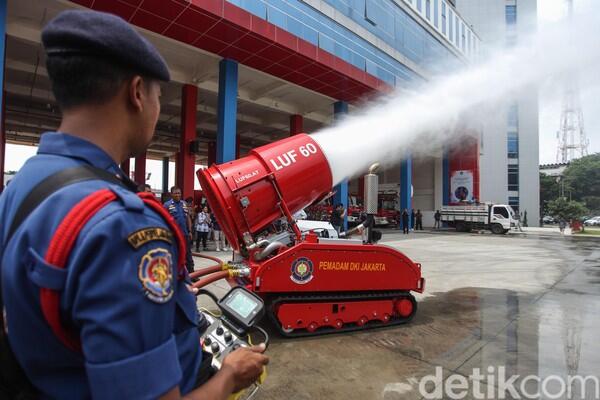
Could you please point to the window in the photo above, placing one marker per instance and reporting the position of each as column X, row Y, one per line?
column 511, row 15
column 513, row 178
column 419, row 5
column 501, row 211
column 462, row 34
column 435, row 13
column 456, row 31
column 513, row 145
column 428, row 9
column 451, row 27
column 443, row 17
column 514, row 203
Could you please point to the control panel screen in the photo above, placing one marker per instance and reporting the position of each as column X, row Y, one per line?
column 242, row 304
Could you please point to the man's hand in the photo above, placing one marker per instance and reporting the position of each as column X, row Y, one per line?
column 245, row 365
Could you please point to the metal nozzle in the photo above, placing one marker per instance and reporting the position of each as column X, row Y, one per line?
column 373, row 168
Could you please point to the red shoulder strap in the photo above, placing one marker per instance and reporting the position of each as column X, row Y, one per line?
column 62, row 244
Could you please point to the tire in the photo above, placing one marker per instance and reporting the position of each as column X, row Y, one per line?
column 497, row 229
column 460, row 226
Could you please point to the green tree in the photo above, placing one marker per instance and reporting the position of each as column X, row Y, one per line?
column 549, row 190
column 565, row 209
column 582, row 180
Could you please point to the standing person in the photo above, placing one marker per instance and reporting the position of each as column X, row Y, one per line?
column 337, row 217
column 405, row 226
column 202, row 228
column 220, row 241
column 412, row 219
column 437, row 216
column 131, row 321
column 562, row 224
column 181, row 214
column 419, row 222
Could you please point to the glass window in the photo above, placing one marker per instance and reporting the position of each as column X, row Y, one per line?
column 456, row 31
column 513, row 147
column 513, row 115
column 462, row 34
column 513, row 178
column 501, row 211
column 444, row 17
column 451, row 27
column 419, row 5
column 428, row 9
column 511, row 15
column 435, row 13
column 276, row 17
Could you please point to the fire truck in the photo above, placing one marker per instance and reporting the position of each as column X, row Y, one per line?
column 388, row 206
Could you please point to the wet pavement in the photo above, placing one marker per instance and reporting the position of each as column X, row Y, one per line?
column 530, row 305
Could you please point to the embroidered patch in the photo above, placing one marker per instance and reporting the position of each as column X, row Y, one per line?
column 302, row 271
column 155, row 274
column 139, row 238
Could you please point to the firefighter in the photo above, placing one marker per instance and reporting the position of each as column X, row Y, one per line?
column 137, row 330
column 180, row 211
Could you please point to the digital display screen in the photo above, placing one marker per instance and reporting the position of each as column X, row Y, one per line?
column 242, row 304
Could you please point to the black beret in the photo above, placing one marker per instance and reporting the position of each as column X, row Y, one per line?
column 98, row 34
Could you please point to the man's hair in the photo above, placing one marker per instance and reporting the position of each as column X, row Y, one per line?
column 174, row 188
column 85, row 80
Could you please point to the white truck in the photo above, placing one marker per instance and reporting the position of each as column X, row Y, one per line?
column 498, row 218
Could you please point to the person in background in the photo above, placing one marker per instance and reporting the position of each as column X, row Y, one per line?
column 405, row 226
column 337, row 217
column 419, row 222
column 562, row 224
column 218, row 236
column 437, row 216
column 412, row 219
column 202, row 228
column 145, row 188
column 181, row 214
column 192, row 208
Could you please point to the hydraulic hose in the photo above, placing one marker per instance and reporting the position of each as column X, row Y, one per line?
column 211, row 278
column 215, row 259
column 206, row 271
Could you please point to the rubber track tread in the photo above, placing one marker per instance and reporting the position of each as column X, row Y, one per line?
column 337, row 297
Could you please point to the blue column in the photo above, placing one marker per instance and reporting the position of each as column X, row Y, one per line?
column 227, row 112
column 445, row 179
column 340, row 108
column 2, row 62
column 406, row 187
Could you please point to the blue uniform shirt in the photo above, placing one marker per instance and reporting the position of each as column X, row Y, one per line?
column 180, row 212
column 138, row 339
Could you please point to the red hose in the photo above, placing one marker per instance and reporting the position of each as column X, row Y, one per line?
column 210, row 279
column 206, row 271
column 215, row 259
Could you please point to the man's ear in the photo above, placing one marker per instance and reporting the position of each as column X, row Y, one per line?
column 136, row 93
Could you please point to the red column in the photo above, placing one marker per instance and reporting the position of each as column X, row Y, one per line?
column 212, row 153
column 140, row 169
column 296, row 124
column 126, row 167
column 187, row 160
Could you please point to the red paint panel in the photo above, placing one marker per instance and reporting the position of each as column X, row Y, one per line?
column 210, row 44
column 263, row 28
column 325, row 58
column 214, row 7
column 307, row 49
column 286, row 39
column 237, row 15
column 235, row 53
column 196, row 20
column 168, row 9
column 275, row 53
column 313, row 69
column 278, row 69
column 150, row 21
column 258, row 63
column 226, row 32
column 252, row 42
column 296, row 77
column 119, row 8
column 182, row 34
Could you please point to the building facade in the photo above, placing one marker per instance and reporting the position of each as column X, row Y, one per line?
column 513, row 176
column 249, row 72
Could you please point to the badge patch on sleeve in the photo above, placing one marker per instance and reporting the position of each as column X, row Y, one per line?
column 139, row 238
column 156, row 275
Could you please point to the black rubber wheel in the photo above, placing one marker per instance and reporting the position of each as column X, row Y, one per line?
column 497, row 229
column 461, row 227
